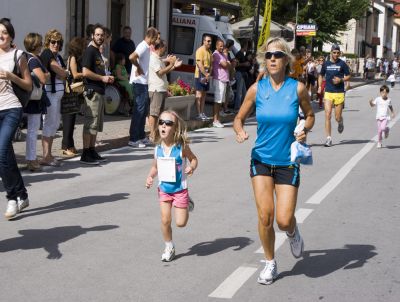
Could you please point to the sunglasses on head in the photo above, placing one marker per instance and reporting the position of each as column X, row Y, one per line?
column 277, row 54
column 55, row 42
column 166, row 122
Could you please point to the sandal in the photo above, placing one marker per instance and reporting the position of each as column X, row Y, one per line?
column 53, row 163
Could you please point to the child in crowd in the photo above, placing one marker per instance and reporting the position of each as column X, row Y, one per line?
column 382, row 103
column 121, row 75
column 170, row 166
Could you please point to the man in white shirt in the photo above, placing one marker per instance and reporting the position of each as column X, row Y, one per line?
column 140, row 59
column 158, row 83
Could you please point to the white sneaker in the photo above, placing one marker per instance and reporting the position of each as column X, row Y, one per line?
column 146, row 141
column 136, row 144
column 296, row 243
column 328, row 142
column 12, row 209
column 379, row 145
column 218, row 124
column 168, row 255
column 269, row 273
column 22, row 203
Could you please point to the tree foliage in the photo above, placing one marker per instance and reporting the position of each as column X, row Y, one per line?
column 331, row 16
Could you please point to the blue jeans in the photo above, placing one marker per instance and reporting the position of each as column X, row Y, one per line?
column 140, row 110
column 9, row 172
column 240, row 90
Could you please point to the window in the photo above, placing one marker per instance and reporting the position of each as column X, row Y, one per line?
column 182, row 39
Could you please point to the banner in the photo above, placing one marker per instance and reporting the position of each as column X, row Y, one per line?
column 265, row 31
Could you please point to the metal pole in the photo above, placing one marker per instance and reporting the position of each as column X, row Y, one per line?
column 256, row 24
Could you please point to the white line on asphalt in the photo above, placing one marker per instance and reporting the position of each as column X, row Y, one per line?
column 231, row 284
column 280, row 238
column 342, row 173
column 301, row 214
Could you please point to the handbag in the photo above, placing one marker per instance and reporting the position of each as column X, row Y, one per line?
column 77, row 87
column 71, row 102
column 23, row 95
column 37, row 90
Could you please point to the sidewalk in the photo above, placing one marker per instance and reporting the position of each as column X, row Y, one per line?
column 116, row 131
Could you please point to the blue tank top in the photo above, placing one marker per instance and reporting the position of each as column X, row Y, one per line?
column 276, row 114
column 180, row 165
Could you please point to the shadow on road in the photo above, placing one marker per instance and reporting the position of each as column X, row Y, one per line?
column 72, row 204
column 218, row 245
column 319, row 263
column 48, row 239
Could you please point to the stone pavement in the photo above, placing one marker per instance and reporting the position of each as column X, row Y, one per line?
column 116, row 131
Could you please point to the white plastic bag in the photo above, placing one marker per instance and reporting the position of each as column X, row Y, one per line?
column 301, row 153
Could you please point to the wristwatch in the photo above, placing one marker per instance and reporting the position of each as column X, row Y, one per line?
column 306, row 130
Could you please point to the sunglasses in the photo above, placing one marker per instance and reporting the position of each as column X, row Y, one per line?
column 55, row 42
column 277, row 54
column 166, row 122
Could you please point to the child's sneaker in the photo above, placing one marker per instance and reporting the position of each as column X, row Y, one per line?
column 168, row 255
column 387, row 132
column 269, row 273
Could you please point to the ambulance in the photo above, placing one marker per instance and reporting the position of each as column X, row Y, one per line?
column 187, row 35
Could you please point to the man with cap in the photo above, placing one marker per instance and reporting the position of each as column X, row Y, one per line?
column 336, row 72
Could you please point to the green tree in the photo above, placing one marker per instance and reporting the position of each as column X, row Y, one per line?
column 331, row 16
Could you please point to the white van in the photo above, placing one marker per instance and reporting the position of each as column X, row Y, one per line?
column 187, row 35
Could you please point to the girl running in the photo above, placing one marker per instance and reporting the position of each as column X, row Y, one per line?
column 170, row 166
column 382, row 103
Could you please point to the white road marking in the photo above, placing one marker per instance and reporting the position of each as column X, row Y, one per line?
column 232, row 284
column 342, row 173
column 280, row 238
column 301, row 214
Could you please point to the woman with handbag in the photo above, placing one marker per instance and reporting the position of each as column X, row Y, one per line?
column 75, row 51
column 37, row 105
column 55, row 91
column 10, row 117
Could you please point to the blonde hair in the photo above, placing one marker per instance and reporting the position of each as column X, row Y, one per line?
column 180, row 134
column 53, row 34
column 282, row 45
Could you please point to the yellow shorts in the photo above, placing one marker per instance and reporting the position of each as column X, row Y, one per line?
column 336, row 98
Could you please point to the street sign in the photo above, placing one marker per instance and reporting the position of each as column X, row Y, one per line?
column 308, row 30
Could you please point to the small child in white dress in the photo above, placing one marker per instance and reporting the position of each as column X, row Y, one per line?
column 383, row 105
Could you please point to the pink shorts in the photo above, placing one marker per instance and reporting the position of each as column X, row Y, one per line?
column 179, row 199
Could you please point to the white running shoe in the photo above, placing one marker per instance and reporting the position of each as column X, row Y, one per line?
column 137, row 144
column 296, row 243
column 168, row 255
column 328, row 142
column 12, row 209
column 22, row 203
column 217, row 124
column 269, row 273
column 379, row 145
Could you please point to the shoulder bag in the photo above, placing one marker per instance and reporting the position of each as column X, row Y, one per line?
column 71, row 101
column 23, row 95
column 77, row 87
column 37, row 90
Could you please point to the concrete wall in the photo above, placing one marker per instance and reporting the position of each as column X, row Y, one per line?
column 98, row 12
column 137, row 20
column 45, row 15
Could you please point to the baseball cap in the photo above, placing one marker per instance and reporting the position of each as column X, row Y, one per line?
column 335, row 47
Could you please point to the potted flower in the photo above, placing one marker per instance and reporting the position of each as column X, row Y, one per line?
column 180, row 98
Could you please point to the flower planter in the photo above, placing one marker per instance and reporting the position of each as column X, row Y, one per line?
column 181, row 104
